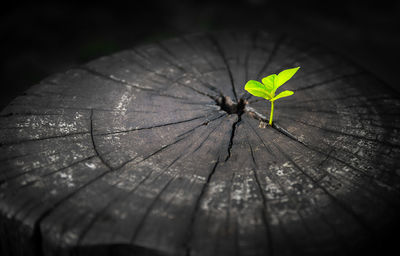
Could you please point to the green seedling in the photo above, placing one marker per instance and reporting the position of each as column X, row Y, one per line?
column 268, row 87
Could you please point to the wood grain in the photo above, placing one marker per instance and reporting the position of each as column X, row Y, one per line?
column 158, row 150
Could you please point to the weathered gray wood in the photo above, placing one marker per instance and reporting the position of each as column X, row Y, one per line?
column 147, row 152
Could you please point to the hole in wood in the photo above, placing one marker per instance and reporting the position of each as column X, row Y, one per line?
column 231, row 107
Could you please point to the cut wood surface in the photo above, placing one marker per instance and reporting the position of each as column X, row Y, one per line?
column 159, row 150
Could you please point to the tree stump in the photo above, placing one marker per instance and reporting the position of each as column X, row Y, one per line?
column 158, row 150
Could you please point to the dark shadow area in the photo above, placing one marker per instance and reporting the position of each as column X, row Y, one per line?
column 226, row 104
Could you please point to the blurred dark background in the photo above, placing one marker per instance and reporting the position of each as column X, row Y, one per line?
column 38, row 39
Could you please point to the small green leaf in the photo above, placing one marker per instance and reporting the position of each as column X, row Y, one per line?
column 268, row 87
column 282, row 95
column 269, row 82
column 257, row 89
column 284, row 76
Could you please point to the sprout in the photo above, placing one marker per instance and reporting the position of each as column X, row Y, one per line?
column 269, row 85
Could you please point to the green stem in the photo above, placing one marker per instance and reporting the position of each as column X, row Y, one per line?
column 272, row 113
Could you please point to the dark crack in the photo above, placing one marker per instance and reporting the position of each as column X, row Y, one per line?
column 234, row 127
column 196, row 209
column 327, row 82
column 345, row 207
column 114, row 79
column 151, row 206
column 37, row 232
column 232, row 108
column 385, row 143
column 254, row 114
column 42, row 138
column 151, row 127
column 264, row 203
column 184, row 71
column 225, row 61
column 274, row 51
column 94, row 144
